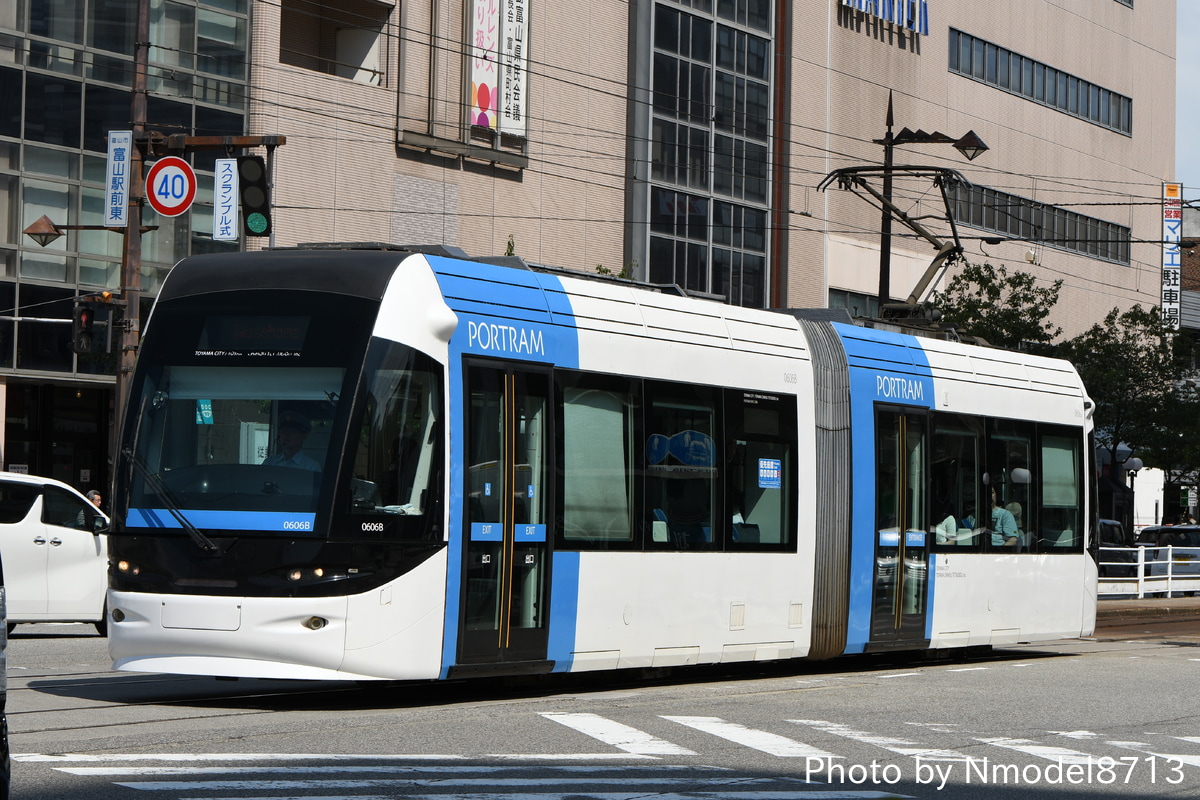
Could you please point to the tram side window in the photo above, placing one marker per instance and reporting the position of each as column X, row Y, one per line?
column 395, row 462
column 1009, row 483
column 955, row 474
column 758, row 459
column 1062, row 491
column 597, row 462
column 681, row 466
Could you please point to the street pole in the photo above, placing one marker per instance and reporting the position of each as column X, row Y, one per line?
column 885, row 225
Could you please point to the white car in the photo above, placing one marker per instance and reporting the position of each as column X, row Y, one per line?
column 54, row 550
column 5, row 761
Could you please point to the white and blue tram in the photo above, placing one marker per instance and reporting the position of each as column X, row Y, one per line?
column 394, row 464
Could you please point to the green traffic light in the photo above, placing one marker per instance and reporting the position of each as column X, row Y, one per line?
column 256, row 222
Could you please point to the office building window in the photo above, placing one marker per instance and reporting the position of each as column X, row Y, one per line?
column 983, row 61
column 61, row 102
column 1017, row 217
column 857, row 303
column 710, row 147
column 346, row 39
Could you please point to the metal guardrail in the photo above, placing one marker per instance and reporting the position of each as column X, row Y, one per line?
column 1152, row 571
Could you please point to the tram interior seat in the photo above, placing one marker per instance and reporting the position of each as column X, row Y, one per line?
column 1063, row 538
column 746, row 533
column 963, row 536
column 365, row 493
column 680, row 534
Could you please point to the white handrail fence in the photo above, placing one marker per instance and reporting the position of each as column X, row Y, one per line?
column 1149, row 571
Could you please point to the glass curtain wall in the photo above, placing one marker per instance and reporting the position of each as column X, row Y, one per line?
column 709, row 186
column 66, row 70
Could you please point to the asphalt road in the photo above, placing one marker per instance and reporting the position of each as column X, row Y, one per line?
column 1103, row 717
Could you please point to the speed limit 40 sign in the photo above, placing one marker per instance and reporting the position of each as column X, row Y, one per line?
column 170, row 186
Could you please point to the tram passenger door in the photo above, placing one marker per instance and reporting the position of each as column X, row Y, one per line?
column 505, row 580
column 901, row 546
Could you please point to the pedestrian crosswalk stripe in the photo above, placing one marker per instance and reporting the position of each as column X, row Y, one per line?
column 770, row 743
column 338, row 769
column 1143, row 747
column 110, row 757
column 380, row 783
column 816, row 794
column 1048, row 752
column 618, row 735
column 902, row 747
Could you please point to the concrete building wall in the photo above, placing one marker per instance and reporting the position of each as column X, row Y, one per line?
column 343, row 176
column 1037, row 152
column 562, row 198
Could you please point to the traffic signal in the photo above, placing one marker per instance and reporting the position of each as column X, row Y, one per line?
column 255, row 195
column 81, row 328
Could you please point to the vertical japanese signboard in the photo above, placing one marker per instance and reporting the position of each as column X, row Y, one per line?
column 116, row 179
column 1172, row 266
column 225, row 200
column 499, row 60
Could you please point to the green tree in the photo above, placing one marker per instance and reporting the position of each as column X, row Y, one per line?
column 1172, row 444
column 1135, row 371
column 1005, row 310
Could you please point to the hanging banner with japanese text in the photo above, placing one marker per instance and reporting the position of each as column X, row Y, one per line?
column 499, row 60
column 514, row 59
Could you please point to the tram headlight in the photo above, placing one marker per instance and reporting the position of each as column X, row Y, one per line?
column 128, row 568
column 307, row 573
column 315, row 623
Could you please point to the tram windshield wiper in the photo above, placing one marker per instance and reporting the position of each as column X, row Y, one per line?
column 156, row 485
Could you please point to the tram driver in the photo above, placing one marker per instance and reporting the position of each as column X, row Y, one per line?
column 293, row 430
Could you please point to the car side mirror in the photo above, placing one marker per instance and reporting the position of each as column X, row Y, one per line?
column 99, row 525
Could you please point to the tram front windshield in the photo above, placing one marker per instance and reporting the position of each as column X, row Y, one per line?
column 215, row 427
column 236, row 418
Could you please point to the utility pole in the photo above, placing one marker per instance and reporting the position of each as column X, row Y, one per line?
column 147, row 144
column 131, row 251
